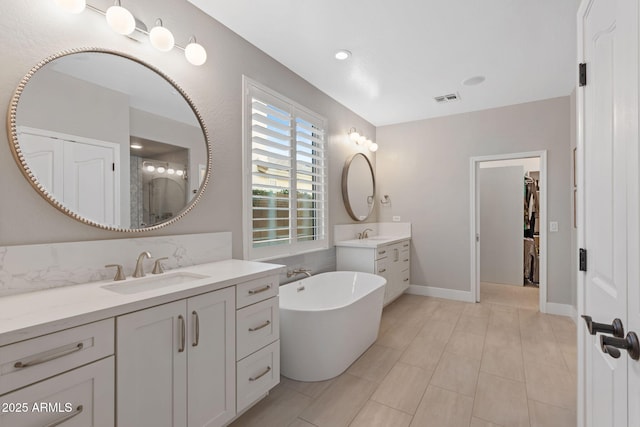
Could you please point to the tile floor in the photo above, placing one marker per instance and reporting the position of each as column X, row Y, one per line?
column 444, row 363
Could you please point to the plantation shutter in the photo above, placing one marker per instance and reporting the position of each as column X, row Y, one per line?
column 288, row 181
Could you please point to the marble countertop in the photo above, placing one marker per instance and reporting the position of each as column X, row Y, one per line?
column 372, row 242
column 32, row 314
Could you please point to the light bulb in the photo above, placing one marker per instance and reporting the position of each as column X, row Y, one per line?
column 373, row 147
column 361, row 140
column 136, row 146
column 171, row 171
column 161, row 169
column 120, row 20
column 355, row 136
column 150, row 168
column 179, row 172
column 72, row 6
column 161, row 38
column 195, row 53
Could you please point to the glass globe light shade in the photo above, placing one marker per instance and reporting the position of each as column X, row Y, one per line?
column 120, row 20
column 72, row 6
column 195, row 53
column 161, row 39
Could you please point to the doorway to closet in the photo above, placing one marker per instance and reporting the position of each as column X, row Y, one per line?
column 508, row 223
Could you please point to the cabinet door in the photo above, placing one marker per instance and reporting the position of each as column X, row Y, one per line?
column 211, row 358
column 80, row 397
column 151, row 367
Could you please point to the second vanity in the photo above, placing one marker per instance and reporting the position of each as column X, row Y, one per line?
column 386, row 256
column 195, row 353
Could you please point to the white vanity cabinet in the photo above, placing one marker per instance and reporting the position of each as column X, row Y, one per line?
column 389, row 260
column 176, row 363
column 258, row 340
column 62, row 378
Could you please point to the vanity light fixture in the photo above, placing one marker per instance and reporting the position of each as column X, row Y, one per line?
column 161, row 169
column 171, row 171
column 72, row 6
column 161, row 38
column 150, row 168
column 179, row 172
column 120, row 19
column 362, row 140
column 123, row 22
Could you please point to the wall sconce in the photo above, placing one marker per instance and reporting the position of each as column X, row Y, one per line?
column 123, row 22
column 362, row 140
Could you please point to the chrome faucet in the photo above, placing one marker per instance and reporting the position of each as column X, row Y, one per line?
column 139, row 271
column 297, row 271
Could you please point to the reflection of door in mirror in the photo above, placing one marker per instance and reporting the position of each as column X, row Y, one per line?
column 79, row 172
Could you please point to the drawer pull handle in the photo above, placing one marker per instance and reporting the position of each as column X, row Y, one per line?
column 405, row 260
column 261, row 375
column 196, row 320
column 382, row 252
column 382, row 271
column 258, row 290
column 257, row 328
column 405, row 245
column 406, row 280
column 62, row 353
column 182, row 333
column 66, row 418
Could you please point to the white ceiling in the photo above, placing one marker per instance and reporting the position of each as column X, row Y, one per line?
column 405, row 52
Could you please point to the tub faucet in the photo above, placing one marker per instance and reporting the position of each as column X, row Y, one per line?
column 297, row 271
column 139, row 271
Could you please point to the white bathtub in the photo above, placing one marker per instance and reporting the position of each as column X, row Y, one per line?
column 327, row 321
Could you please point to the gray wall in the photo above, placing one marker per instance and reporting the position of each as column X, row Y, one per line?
column 424, row 167
column 34, row 29
column 501, row 225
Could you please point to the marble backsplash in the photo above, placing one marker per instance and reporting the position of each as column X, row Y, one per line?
column 30, row 268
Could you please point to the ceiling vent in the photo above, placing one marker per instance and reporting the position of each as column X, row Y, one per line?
column 450, row 97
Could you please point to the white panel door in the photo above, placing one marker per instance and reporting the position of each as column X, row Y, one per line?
column 211, row 358
column 610, row 42
column 151, row 357
column 45, row 157
column 89, row 181
column 501, row 224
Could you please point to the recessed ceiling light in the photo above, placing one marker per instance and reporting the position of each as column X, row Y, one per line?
column 136, row 146
column 473, row 81
column 341, row 55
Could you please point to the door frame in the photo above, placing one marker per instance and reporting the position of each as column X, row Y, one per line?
column 474, row 220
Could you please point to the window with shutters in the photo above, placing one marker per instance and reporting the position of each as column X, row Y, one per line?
column 285, row 175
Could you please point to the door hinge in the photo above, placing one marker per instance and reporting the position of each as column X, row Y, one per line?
column 583, row 260
column 582, row 74
column 113, row 167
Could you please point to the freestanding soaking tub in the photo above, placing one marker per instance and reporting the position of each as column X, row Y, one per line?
column 327, row 321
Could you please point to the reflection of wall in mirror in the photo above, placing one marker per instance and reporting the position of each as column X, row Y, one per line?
column 59, row 103
column 150, row 126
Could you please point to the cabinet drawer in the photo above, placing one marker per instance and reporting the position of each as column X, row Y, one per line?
column 405, row 279
column 257, row 374
column 382, row 268
column 382, row 252
column 29, row 361
column 256, row 290
column 79, row 398
column 257, row 326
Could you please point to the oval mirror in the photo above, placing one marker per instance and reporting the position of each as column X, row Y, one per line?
column 109, row 140
column 358, row 187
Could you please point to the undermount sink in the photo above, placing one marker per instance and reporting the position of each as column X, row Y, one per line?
column 133, row 286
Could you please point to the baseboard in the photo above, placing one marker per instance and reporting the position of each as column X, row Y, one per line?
column 562, row 310
column 430, row 291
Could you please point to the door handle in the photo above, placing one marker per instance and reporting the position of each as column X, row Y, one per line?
column 630, row 343
column 615, row 328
